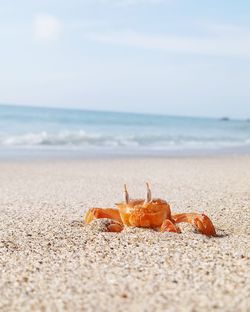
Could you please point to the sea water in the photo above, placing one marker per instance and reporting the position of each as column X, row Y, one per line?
column 94, row 132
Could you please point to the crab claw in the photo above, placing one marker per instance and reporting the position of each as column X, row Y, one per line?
column 169, row 226
column 105, row 225
column 204, row 225
column 111, row 217
column 201, row 222
column 114, row 226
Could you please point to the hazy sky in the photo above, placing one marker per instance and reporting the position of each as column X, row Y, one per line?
column 178, row 57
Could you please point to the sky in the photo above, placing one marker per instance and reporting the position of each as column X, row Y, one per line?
column 176, row 57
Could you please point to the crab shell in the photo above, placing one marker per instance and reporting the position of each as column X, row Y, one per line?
column 141, row 213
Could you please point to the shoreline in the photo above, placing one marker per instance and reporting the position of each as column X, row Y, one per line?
column 30, row 154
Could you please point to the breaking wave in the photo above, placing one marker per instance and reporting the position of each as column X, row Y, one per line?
column 81, row 138
column 52, row 129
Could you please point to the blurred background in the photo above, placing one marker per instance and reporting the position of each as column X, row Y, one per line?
column 124, row 76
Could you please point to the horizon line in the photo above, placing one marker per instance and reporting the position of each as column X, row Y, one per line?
column 122, row 112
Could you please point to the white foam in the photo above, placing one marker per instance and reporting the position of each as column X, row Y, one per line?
column 80, row 138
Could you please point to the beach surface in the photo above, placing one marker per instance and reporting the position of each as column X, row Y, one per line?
column 50, row 261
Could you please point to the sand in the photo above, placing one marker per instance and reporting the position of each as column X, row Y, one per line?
column 51, row 262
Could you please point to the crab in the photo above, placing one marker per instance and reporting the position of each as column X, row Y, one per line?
column 151, row 212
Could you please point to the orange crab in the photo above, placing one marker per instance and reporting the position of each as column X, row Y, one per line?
column 148, row 213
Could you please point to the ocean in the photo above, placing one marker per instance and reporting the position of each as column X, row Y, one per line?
column 38, row 131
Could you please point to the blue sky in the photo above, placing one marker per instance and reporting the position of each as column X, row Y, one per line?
column 163, row 56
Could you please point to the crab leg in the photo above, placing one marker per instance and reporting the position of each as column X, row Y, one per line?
column 201, row 222
column 115, row 224
column 100, row 213
column 169, row 226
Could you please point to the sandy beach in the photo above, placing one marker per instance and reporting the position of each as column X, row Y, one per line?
column 50, row 261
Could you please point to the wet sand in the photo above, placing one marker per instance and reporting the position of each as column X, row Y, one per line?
column 50, row 261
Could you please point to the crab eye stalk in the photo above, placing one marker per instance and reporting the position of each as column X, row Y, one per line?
column 149, row 195
column 126, row 196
